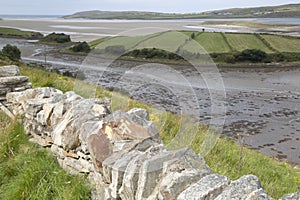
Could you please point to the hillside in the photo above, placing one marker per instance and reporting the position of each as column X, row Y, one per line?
column 96, row 14
column 290, row 10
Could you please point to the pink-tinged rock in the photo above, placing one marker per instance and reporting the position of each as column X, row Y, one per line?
column 125, row 129
column 100, row 149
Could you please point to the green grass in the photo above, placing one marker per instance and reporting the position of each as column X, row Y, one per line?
column 212, row 42
column 127, row 42
column 226, row 158
column 29, row 172
column 241, row 42
column 232, row 160
column 16, row 33
column 94, row 43
column 169, row 41
column 283, row 44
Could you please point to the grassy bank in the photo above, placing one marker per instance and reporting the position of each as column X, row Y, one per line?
column 16, row 33
column 227, row 157
column 29, row 172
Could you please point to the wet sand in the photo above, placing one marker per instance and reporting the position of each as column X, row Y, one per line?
column 88, row 30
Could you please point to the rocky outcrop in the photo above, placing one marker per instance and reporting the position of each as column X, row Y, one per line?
column 121, row 152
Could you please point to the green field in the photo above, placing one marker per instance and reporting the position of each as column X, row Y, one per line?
column 283, row 44
column 170, row 41
column 222, row 47
column 16, row 33
column 212, row 42
column 241, row 42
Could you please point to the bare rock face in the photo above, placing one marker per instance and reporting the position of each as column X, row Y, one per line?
column 11, row 70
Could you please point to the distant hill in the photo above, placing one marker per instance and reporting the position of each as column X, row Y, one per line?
column 290, row 10
column 96, row 14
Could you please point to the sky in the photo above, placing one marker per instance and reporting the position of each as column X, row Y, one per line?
column 63, row 7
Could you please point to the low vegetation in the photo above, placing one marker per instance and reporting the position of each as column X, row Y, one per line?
column 56, row 38
column 29, row 172
column 16, row 33
column 11, row 52
column 283, row 43
column 240, row 42
column 81, row 47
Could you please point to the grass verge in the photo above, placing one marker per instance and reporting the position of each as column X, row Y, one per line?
column 227, row 157
column 29, row 172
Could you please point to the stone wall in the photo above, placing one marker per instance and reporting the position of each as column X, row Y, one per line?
column 121, row 152
column 11, row 81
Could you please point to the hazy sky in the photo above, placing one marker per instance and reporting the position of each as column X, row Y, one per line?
column 61, row 7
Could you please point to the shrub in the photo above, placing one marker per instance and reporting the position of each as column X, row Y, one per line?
column 253, row 55
column 12, row 52
column 57, row 38
column 81, row 47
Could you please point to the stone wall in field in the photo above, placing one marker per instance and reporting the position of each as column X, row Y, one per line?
column 121, row 152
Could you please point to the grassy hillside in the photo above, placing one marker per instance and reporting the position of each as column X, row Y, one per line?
column 16, row 33
column 97, row 14
column 227, row 157
column 290, row 10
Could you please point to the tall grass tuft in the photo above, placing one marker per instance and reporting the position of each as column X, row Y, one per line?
column 29, row 172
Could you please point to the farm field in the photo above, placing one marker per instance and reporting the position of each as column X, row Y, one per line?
column 240, row 42
column 210, row 41
column 213, row 42
column 283, row 44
